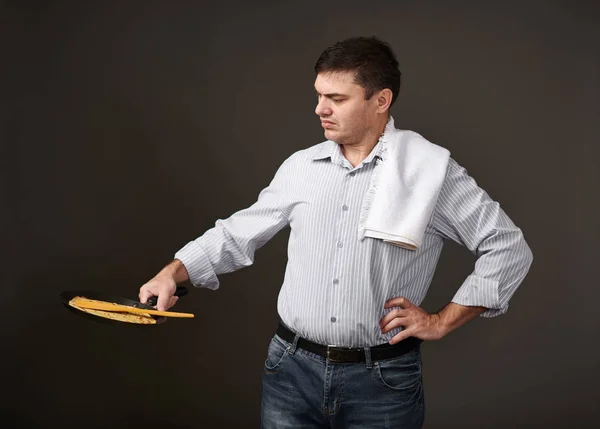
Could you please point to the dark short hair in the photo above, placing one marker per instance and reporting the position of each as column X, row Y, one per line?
column 371, row 59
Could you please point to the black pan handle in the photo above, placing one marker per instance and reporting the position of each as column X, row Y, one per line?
column 180, row 291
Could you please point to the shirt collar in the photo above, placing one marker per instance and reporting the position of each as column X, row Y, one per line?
column 326, row 150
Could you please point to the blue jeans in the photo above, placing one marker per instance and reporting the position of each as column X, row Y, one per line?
column 304, row 390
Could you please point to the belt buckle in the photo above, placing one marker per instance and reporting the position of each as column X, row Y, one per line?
column 335, row 353
column 331, row 352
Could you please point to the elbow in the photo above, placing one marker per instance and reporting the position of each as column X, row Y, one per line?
column 528, row 256
column 519, row 252
column 527, row 253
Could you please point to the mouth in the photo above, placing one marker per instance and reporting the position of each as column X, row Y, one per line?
column 326, row 124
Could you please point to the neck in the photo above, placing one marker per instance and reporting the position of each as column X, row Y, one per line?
column 355, row 153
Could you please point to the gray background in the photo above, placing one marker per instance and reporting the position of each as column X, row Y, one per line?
column 128, row 128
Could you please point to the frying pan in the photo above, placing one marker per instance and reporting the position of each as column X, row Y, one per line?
column 67, row 295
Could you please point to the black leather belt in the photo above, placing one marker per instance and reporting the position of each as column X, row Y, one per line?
column 347, row 354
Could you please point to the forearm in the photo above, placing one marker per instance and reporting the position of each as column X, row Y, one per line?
column 503, row 261
column 229, row 246
column 453, row 316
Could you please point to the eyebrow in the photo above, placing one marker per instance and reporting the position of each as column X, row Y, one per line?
column 331, row 95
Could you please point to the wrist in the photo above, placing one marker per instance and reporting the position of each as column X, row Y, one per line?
column 438, row 324
column 177, row 271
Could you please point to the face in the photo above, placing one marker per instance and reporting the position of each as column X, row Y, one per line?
column 345, row 114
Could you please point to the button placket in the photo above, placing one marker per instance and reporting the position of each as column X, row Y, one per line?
column 338, row 254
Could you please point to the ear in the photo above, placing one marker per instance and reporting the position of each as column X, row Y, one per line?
column 384, row 100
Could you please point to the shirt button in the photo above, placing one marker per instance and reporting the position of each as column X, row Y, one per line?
column 340, row 244
column 352, row 174
column 333, row 319
column 336, row 281
column 345, row 207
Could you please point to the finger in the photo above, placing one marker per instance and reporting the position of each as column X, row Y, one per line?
column 145, row 294
column 398, row 302
column 397, row 322
column 172, row 301
column 163, row 300
column 391, row 315
column 400, row 336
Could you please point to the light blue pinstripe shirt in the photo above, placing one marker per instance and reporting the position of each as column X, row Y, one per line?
column 335, row 285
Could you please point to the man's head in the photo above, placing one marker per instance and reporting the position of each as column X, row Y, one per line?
column 357, row 81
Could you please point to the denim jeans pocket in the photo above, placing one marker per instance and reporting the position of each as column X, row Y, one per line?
column 402, row 373
column 276, row 355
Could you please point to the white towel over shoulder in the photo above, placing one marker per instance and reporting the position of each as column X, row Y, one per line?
column 404, row 188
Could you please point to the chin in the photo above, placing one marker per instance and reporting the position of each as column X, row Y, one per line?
column 330, row 135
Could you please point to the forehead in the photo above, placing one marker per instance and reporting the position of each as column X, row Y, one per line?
column 336, row 82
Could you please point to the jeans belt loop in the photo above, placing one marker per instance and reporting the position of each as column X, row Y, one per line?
column 294, row 345
column 368, row 358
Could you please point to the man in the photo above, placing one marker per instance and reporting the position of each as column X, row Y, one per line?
column 347, row 352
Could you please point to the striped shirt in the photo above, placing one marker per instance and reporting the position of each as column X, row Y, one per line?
column 335, row 285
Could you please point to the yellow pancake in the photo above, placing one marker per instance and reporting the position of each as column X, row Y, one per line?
column 119, row 316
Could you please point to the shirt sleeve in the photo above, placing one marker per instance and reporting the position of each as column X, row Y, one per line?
column 466, row 214
column 230, row 245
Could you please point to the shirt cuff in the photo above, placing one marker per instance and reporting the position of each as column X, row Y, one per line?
column 198, row 266
column 480, row 292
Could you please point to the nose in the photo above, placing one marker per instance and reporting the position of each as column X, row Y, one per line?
column 323, row 108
